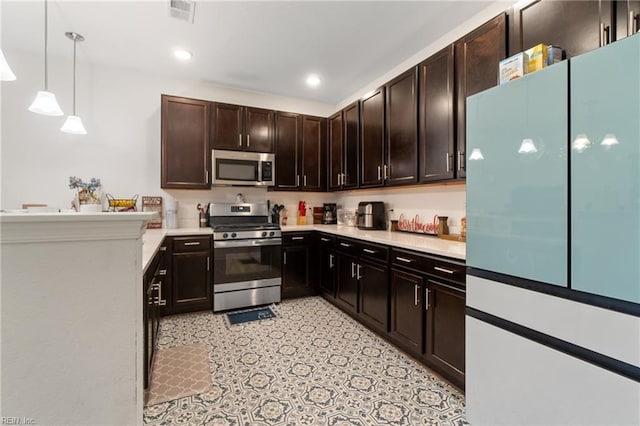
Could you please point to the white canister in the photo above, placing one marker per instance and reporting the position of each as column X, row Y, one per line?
column 171, row 214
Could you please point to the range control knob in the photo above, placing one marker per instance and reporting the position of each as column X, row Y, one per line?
column 233, row 235
column 271, row 234
column 264, row 233
column 225, row 235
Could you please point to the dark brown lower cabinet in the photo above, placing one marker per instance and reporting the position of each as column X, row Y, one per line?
column 346, row 282
column 327, row 268
column 406, row 325
column 444, row 331
column 374, row 294
column 152, row 289
column 296, row 267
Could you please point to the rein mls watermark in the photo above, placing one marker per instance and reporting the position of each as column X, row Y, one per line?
column 17, row 421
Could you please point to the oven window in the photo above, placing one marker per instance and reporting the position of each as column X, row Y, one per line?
column 239, row 264
column 245, row 170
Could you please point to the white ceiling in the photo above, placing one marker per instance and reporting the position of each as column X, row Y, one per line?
column 264, row 46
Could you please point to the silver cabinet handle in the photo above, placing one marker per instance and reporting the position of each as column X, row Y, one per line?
column 416, row 288
column 285, row 257
column 297, row 238
column 353, row 270
column 632, row 23
column 461, row 160
column 404, row 259
column 162, row 272
column 163, row 248
column 304, row 180
column 446, row 158
column 206, row 176
column 339, row 180
column 161, row 301
column 248, row 140
column 358, row 273
column 379, row 172
column 326, row 240
column 369, row 251
column 240, row 139
column 331, row 261
column 386, row 172
column 345, row 245
column 297, row 180
column 192, row 243
column 428, row 304
column 604, row 34
column 208, row 263
column 448, row 271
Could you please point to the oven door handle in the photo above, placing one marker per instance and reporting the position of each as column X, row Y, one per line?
column 248, row 243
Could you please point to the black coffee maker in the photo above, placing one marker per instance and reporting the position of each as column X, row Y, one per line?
column 329, row 214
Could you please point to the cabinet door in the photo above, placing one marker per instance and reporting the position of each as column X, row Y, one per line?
column 346, row 282
column 295, row 272
column 476, row 60
column 406, row 325
column 351, row 143
column 627, row 18
column 259, row 130
column 372, row 139
column 444, row 330
column 436, row 117
column 605, row 171
column 191, row 281
column 573, row 25
column 374, row 294
column 227, row 127
column 287, row 142
column 327, row 271
column 185, row 143
column 401, row 165
column 313, row 151
column 335, row 151
column 517, row 187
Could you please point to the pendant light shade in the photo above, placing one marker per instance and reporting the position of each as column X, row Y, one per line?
column 73, row 124
column 45, row 102
column 5, row 71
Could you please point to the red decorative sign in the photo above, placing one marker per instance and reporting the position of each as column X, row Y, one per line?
column 414, row 225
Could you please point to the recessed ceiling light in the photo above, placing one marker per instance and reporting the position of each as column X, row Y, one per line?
column 313, row 80
column 183, row 55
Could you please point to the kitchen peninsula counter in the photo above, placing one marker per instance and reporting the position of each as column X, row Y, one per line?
column 422, row 243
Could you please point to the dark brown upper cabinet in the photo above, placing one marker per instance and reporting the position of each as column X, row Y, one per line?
column 335, row 124
column 627, row 18
column 574, row 25
column 343, row 148
column 313, row 153
column 185, row 151
column 240, row 128
column 401, row 139
column 288, row 134
column 300, row 152
column 372, row 139
column 436, row 118
column 477, row 55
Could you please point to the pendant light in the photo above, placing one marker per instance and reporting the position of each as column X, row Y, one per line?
column 45, row 102
column 5, row 71
column 74, row 123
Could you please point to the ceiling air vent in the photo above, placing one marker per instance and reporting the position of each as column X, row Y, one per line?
column 182, row 9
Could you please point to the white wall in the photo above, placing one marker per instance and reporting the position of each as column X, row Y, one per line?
column 121, row 111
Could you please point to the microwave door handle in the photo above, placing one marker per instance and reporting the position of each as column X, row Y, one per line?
column 259, row 171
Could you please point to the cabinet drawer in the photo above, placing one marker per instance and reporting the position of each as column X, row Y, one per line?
column 182, row 244
column 452, row 271
column 411, row 260
column 374, row 251
column 348, row 246
column 294, row 238
column 326, row 240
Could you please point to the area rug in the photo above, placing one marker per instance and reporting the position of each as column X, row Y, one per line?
column 178, row 372
column 252, row 315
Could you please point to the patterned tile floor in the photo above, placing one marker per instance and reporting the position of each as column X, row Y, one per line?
column 312, row 365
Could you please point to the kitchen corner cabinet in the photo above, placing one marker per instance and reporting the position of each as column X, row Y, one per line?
column 401, row 129
column 189, row 286
column 300, row 152
column 185, row 151
column 326, row 284
column 153, row 280
column 241, row 128
column 343, row 148
column 573, row 25
column 477, row 55
column 296, row 266
column 372, row 139
column 436, row 117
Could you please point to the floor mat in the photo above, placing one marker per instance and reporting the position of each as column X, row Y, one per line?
column 253, row 315
column 178, row 372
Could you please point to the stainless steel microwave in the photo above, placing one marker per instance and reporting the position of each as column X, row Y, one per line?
column 242, row 168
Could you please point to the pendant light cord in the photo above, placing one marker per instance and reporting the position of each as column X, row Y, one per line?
column 46, row 80
column 75, row 41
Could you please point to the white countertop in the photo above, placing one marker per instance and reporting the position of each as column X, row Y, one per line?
column 423, row 243
column 152, row 239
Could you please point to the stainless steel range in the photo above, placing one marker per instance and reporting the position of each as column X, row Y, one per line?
column 247, row 253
